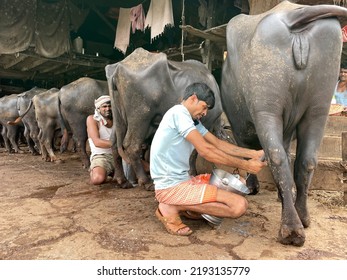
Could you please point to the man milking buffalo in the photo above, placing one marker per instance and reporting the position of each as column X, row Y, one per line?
column 179, row 133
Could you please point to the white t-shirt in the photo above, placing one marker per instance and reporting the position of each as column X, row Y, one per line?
column 170, row 151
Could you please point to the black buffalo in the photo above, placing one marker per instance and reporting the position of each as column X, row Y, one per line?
column 8, row 113
column 277, row 82
column 76, row 103
column 27, row 117
column 48, row 121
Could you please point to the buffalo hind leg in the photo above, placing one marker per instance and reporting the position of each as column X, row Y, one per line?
column 309, row 132
column 5, row 138
column 303, row 172
column 304, row 167
column 47, row 147
column 29, row 140
column 84, row 156
column 118, row 175
column 291, row 230
column 11, row 135
column 142, row 178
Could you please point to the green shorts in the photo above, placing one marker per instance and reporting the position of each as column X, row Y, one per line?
column 105, row 161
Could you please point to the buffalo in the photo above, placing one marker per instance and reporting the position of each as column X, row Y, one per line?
column 8, row 113
column 27, row 117
column 277, row 83
column 76, row 103
column 48, row 121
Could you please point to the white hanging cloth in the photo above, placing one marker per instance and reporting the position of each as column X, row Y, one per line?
column 123, row 30
column 158, row 16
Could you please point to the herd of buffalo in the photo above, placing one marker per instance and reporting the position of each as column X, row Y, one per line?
column 277, row 83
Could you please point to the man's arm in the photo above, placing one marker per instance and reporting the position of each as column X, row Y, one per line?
column 232, row 149
column 213, row 154
column 93, row 133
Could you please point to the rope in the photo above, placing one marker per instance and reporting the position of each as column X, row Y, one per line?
column 183, row 24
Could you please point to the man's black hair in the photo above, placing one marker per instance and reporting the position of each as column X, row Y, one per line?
column 203, row 93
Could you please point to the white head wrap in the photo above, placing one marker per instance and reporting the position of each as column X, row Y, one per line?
column 98, row 102
column 101, row 100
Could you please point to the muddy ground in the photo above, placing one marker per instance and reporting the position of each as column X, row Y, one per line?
column 50, row 211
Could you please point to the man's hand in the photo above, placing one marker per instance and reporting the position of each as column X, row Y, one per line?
column 256, row 165
column 259, row 155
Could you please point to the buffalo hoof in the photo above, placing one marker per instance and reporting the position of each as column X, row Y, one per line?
column 288, row 236
column 146, row 183
column 304, row 216
column 306, row 222
column 126, row 185
column 149, row 186
column 86, row 164
column 253, row 184
column 34, row 152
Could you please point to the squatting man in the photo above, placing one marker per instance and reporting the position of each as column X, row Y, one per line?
column 179, row 132
column 99, row 128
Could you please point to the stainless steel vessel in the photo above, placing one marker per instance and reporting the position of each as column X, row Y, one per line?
column 226, row 181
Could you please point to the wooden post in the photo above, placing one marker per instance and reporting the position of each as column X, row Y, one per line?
column 210, row 23
column 344, row 159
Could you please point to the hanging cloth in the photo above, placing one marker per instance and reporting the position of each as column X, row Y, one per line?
column 203, row 13
column 123, row 30
column 158, row 16
column 137, row 17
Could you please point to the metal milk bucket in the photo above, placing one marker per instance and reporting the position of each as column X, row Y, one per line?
column 229, row 182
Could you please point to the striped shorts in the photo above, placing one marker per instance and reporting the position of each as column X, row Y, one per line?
column 194, row 191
